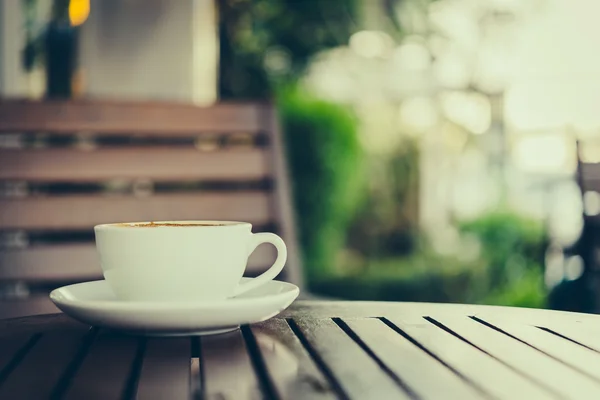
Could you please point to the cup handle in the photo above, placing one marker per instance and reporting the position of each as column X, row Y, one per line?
column 256, row 240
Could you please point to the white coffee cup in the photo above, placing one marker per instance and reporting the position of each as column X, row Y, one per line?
column 181, row 261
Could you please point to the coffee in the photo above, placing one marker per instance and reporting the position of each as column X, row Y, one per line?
column 169, row 224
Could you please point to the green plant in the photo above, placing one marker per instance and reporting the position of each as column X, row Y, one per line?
column 528, row 291
column 508, row 271
column 511, row 245
column 513, row 250
column 423, row 276
column 386, row 225
column 269, row 41
column 324, row 155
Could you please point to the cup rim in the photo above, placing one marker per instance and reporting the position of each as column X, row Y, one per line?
column 199, row 224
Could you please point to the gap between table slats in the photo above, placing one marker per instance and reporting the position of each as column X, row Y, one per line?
column 228, row 371
column 537, row 366
column 352, row 333
column 138, row 368
column 353, row 371
column 105, row 370
column 12, row 351
column 69, row 372
column 335, row 358
column 258, row 363
column 54, row 352
column 582, row 360
column 405, row 356
column 576, row 334
column 318, row 360
column 469, row 362
column 294, row 373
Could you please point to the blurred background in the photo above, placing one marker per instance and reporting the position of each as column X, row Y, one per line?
column 432, row 144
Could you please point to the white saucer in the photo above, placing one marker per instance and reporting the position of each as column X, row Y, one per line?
column 94, row 303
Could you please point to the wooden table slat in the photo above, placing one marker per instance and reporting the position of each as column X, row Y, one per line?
column 105, row 370
column 408, row 361
column 17, row 327
column 472, row 362
column 13, row 348
column 228, row 371
column 575, row 332
column 316, row 350
column 578, row 357
column 165, row 360
column 531, row 362
column 357, row 373
column 294, row 373
column 54, row 351
column 33, row 305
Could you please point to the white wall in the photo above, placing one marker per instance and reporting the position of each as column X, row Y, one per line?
column 13, row 80
column 149, row 49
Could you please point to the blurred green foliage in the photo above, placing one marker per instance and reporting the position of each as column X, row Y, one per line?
column 422, row 276
column 360, row 238
column 266, row 42
column 510, row 244
column 387, row 223
column 528, row 291
column 513, row 248
column 508, row 270
column 265, row 46
column 325, row 160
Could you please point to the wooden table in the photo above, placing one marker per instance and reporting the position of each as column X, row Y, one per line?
column 316, row 350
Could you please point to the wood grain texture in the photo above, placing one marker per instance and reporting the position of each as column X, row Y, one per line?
column 9, row 347
column 165, row 360
column 578, row 333
column 111, row 117
column 80, row 212
column 32, row 305
column 357, row 373
column 359, row 309
column 408, row 362
column 16, row 327
column 161, row 164
column 315, row 357
column 54, row 351
column 62, row 263
column 92, row 117
column 350, row 309
column 105, row 370
column 473, row 363
column 294, row 373
column 578, row 357
column 228, row 371
column 528, row 361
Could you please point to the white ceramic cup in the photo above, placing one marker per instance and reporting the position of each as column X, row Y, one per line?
column 174, row 261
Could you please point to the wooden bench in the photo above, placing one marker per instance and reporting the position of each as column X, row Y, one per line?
column 68, row 165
